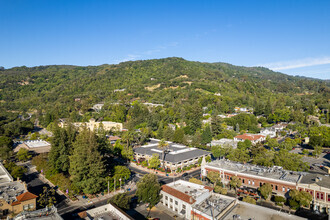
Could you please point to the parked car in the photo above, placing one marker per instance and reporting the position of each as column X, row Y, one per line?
column 185, row 174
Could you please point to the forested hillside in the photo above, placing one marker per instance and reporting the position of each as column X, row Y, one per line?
column 166, row 81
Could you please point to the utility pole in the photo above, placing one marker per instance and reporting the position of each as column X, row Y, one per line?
column 114, row 184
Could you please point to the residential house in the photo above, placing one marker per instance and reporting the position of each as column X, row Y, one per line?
column 254, row 138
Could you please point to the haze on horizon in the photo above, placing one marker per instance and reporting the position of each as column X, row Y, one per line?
column 285, row 36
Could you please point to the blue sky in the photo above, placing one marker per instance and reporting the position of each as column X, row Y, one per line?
column 288, row 36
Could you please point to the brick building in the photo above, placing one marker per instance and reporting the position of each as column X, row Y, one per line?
column 282, row 181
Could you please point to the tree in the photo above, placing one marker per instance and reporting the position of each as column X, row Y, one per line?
column 86, row 163
column 154, row 161
column 235, row 182
column 61, row 147
column 272, row 143
column 47, row 197
column 178, row 135
column 216, row 151
column 249, row 199
column 23, row 154
column 127, row 153
column 206, row 135
column 214, row 177
column 6, row 144
column 122, row 200
column 220, row 189
column 121, row 172
column 163, row 145
column 194, row 180
column 301, row 197
column 317, row 151
column 265, row 190
column 148, row 189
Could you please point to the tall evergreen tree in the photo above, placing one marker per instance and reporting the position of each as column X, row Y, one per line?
column 206, row 135
column 61, row 148
column 86, row 164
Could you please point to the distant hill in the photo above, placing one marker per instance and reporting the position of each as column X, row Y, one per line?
column 159, row 81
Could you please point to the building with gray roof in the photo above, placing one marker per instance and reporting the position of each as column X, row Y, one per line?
column 176, row 155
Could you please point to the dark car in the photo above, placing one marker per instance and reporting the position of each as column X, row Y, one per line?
column 185, row 174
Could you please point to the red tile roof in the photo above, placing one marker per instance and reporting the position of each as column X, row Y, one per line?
column 180, row 195
column 209, row 188
column 251, row 137
column 24, row 197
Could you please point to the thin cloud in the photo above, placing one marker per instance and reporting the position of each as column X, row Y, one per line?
column 135, row 56
column 293, row 64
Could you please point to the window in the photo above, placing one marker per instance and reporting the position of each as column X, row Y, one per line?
column 321, row 196
column 276, row 187
column 26, row 207
column 260, row 184
column 184, row 206
column 283, row 189
column 176, row 209
column 176, row 202
column 317, row 195
column 253, row 182
column 171, row 206
column 31, row 206
column 249, row 182
column 171, row 200
column 243, row 180
column 166, row 198
column 328, row 197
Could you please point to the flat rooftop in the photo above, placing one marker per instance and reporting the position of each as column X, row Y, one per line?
column 275, row 172
column 248, row 211
column 191, row 189
column 176, row 152
column 216, row 204
column 9, row 191
column 36, row 143
column 5, row 177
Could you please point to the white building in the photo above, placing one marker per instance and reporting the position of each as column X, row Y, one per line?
column 180, row 196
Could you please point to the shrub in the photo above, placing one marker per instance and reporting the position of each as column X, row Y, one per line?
column 249, row 199
column 221, row 190
column 279, row 199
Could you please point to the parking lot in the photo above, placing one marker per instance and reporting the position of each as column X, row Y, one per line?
column 323, row 159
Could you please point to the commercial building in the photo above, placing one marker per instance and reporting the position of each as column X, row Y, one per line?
column 282, row 181
column 105, row 212
column 254, row 176
column 48, row 213
column 37, row 146
column 190, row 200
column 319, row 187
column 197, row 202
column 14, row 197
column 176, row 155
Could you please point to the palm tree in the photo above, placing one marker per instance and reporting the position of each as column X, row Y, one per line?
column 163, row 145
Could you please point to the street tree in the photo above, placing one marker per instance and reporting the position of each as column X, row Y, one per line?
column 122, row 200
column 265, row 190
column 148, row 189
column 214, row 177
column 163, row 145
column 154, row 161
column 301, row 197
column 47, row 197
column 235, row 182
